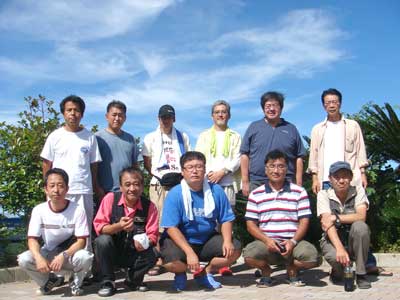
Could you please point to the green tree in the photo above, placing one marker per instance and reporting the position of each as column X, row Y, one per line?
column 20, row 164
column 381, row 130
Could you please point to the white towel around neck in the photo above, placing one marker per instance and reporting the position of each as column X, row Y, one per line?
column 209, row 202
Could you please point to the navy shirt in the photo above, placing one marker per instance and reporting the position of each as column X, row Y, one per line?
column 261, row 138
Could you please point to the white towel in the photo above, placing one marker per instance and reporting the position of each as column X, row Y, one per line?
column 209, row 202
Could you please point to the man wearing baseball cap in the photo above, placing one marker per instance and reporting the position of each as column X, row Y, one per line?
column 342, row 209
column 161, row 152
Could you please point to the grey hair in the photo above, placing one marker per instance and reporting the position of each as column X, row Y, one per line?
column 221, row 102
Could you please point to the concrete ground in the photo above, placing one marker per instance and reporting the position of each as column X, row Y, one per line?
column 240, row 286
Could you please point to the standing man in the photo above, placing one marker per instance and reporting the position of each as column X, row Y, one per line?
column 343, row 211
column 191, row 212
column 62, row 226
column 336, row 139
column 220, row 145
column 278, row 216
column 161, row 152
column 270, row 133
column 127, row 228
column 117, row 148
column 74, row 149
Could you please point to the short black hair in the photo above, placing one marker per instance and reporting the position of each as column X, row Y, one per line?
column 57, row 171
column 131, row 170
column 74, row 99
column 276, row 154
column 272, row 96
column 331, row 92
column 117, row 104
column 192, row 155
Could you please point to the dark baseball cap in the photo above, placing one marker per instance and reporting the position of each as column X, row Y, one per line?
column 339, row 165
column 166, row 111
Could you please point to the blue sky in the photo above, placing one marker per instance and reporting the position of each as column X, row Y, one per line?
column 191, row 53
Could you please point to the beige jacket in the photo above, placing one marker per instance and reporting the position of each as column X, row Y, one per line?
column 354, row 152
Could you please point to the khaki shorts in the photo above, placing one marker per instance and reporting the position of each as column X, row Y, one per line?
column 304, row 252
column 157, row 195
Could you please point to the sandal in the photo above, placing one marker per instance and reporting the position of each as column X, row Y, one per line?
column 156, row 270
column 378, row 271
column 296, row 282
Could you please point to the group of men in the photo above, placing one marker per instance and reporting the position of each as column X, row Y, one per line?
column 188, row 218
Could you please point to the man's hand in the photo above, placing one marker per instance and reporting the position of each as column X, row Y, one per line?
column 289, row 247
column 192, row 262
column 245, row 188
column 316, row 186
column 126, row 224
column 227, row 249
column 364, row 180
column 215, row 176
column 57, row 263
column 42, row 265
column 342, row 256
column 271, row 245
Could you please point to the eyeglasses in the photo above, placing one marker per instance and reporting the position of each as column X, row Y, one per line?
column 329, row 102
column 222, row 112
column 273, row 167
column 190, row 168
column 274, row 105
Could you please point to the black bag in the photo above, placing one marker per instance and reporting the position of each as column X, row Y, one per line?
column 170, row 180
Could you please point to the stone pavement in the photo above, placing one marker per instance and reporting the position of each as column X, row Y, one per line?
column 240, row 286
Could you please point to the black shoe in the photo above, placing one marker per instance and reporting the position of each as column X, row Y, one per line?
column 140, row 287
column 362, row 282
column 335, row 279
column 51, row 283
column 107, row 289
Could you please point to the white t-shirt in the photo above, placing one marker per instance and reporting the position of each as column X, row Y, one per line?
column 334, row 145
column 169, row 150
column 73, row 152
column 56, row 227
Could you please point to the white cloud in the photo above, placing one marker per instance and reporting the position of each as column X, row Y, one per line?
column 64, row 20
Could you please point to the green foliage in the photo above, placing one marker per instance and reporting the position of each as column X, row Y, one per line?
column 12, row 243
column 381, row 130
column 20, row 163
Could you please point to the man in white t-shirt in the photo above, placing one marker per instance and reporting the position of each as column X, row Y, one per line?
column 74, row 149
column 161, row 152
column 336, row 139
column 63, row 227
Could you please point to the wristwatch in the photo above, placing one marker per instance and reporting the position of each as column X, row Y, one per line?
column 337, row 221
column 65, row 255
column 226, row 171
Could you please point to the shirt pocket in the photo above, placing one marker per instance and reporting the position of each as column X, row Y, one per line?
column 349, row 144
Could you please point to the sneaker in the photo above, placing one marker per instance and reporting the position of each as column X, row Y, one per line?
column 60, row 279
column 265, row 282
column 225, row 271
column 295, row 281
column 107, row 289
column 180, row 282
column 362, row 282
column 51, row 283
column 208, row 281
column 76, row 290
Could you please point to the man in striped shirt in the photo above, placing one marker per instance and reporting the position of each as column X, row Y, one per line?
column 277, row 216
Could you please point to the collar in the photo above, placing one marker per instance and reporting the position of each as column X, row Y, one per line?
column 351, row 193
column 138, row 204
column 342, row 118
column 285, row 187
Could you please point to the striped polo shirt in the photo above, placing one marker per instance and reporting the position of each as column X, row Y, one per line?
column 278, row 212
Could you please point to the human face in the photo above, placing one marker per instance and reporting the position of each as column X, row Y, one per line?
column 56, row 188
column 166, row 123
column 72, row 116
column 276, row 171
column 332, row 106
column 272, row 111
column 115, row 118
column 220, row 115
column 131, row 186
column 340, row 180
column 193, row 172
